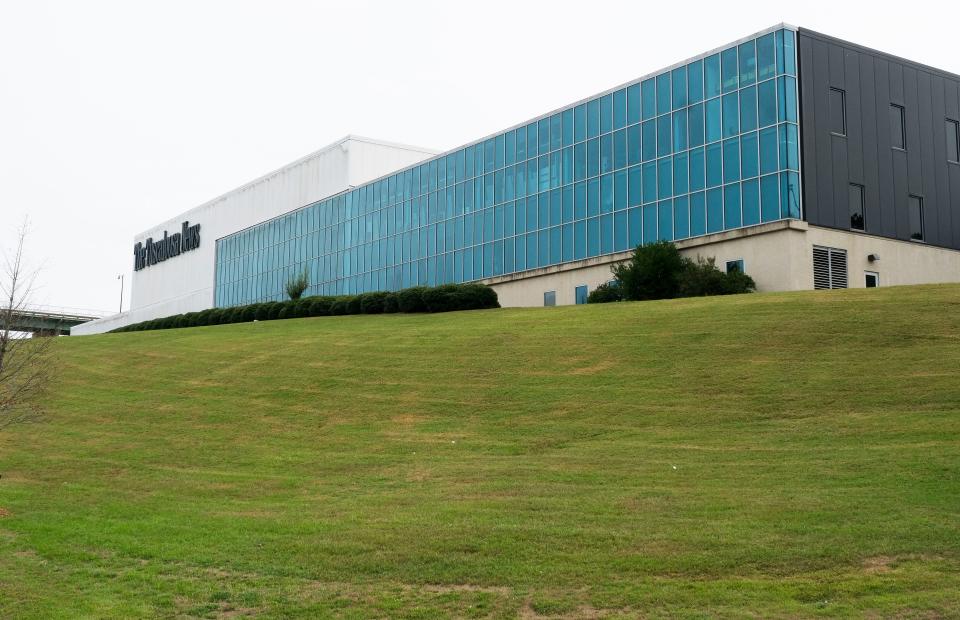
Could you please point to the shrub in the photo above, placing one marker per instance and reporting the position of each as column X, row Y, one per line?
column 297, row 284
column 215, row 316
column 338, row 307
column 653, row 272
column 372, row 303
column 203, row 317
column 320, row 306
column 605, row 293
column 285, row 312
column 477, row 297
column 411, row 300
column 249, row 312
column 274, row 311
column 701, row 277
column 234, row 315
column 353, row 304
column 442, row 298
column 390, row 303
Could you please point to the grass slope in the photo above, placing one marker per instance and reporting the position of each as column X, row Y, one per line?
column 768, row 455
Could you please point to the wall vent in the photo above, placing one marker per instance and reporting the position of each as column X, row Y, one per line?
column 829, row 268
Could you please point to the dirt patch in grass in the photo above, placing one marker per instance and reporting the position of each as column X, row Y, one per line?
column 878, row 564
column 4, row 512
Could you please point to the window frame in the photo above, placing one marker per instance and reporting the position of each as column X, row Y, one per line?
column 956, row 139
column 843, row 112
column 903, row 127
column 876, row 278
column 737, row 263
column 919, row 203
column 863, row 215
column 553, row 298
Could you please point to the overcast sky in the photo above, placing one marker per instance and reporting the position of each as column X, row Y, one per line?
column 115, row 116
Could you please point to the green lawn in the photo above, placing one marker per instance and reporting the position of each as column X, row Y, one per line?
column 767, row 455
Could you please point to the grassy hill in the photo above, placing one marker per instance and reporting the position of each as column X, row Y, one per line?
column 775, row 455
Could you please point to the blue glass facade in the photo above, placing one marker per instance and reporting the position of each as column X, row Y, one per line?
column 709, row 145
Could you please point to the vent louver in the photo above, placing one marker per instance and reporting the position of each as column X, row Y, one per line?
column 829, row 268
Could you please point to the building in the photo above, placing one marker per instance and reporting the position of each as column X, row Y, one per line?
column 807, row 161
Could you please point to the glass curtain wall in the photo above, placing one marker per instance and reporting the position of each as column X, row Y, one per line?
column 708, row 146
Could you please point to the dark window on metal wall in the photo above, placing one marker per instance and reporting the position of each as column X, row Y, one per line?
column 953, row 140
column 838, row 112
column 856, row 207
column 897, row 136
column 916, row 218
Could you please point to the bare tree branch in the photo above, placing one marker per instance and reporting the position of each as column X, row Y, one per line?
column 25, row 363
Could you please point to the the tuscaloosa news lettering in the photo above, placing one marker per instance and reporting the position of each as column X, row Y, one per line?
column 151, row 252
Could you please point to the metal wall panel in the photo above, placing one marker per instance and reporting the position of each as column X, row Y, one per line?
column 872, row 81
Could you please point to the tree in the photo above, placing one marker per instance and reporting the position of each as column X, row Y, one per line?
column 297, row 284
column 653, row 272
column 25, row 363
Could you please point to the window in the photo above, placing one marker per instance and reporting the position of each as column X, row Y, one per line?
column 897, row 139
column 550, row 298
column 735, row 266
column 916, row 218
column 580, row 294
column 856, row 207
column 871, row 279
column 829, row 268
column 838, row 112
column 953, row 141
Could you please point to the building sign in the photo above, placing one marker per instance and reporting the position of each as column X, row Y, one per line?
column 152, row 252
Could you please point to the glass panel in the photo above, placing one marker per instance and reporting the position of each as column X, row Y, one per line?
column 680, row 130
column 580, row 123
column 650, row 223
column 697, row 178
column 751, row 202
column 681, row 218
column 713, row 120
column 635, row 225
column 695, row 124
column 789, row 52
column 665, row 220
column 567, row 130
column 953, row 140
column 606, row 113
column 728, row 69
column 768, row 150
column 635, row 189
column 680, row 174
column 606, row 152
column 633, row 144
column 606, row 193
column 711, row 76
column 731, row 206
column 593, row 118
column 593, row 236
column 749, row 155
column 731, row 160
column 767, row 96
column 714, row 164
column 649, row 96
column 731, row 115
column 620, row 190
column 766, row 57
column 509, row 150
column 619, row 109
column 896, row 127
column 620, row 231
column 748, row 63
column 838, row 122
column 606, row 234
column 619, row 149
column 543, row 129
column 856, row 207
column 532, row 140
column 695, row 81
column 789, row 147
column 748, row 109
column 593, row 157
column 633, row 104
column 698, row 214
column 649, row 140
column 916, row 218
column 714, row 210
column 649, row 181
column 593, row 197
column 679, row 80
column 790, row 194
column 663, row 136
column 664, row 178
column 663, row 93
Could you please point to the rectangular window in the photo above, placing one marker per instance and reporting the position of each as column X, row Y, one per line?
column 856, row 207
column 580, row 294
column 550, row 298
column 838, row 112
column 953, row 141
column 871, row 279
column 735, row 266
column 897, row 138
column 916, row 218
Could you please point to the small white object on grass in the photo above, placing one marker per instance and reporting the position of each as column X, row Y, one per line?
column 674, row 466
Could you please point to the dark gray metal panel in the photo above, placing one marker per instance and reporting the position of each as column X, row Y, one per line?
column 872, row 82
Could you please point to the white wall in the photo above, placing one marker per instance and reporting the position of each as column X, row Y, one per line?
column 185, row 283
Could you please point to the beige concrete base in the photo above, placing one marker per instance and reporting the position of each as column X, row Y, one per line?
column 778, row 256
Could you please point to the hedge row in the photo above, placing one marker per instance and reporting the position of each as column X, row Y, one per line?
column 444, row 298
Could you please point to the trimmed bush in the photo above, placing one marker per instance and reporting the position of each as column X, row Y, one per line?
column 418, row 299
column 653, row 272
column 701, row 278
column 411, row 300
column 372, row 303
column 390, row 303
